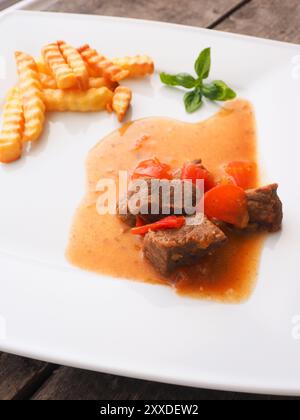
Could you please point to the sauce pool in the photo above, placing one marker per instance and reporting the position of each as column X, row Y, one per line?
column 103, row 244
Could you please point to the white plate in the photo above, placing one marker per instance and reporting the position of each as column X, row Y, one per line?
column 52, row 311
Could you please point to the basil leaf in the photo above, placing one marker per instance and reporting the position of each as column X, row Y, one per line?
column 182, row 79
column 227, row 94
column 193, row 100
column 203, row 63
column 212, row 91
column 218, row 91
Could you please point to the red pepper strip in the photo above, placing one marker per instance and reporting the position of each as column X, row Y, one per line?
column 170, row 222
column 139, row 221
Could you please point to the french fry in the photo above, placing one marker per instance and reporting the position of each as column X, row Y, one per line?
column 76, row 63
column 109, row 108
column 92, row 72
column 64, row 75
column 42, row 66
column 64, row 79
column 96, row 82
column 31, row 96
column 47, row 81
column 91, row 100
column 12, row 128
column 138, row 66
column 121, row 101
column 102, row 66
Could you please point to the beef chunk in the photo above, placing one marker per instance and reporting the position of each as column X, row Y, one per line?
column 152, row 197
column 265, row 209
column 169, row 249
column 124, row 213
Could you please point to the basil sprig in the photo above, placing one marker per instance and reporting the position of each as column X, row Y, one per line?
column 214, row 91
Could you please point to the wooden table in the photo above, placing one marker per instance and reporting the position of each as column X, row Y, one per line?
column 22, row 378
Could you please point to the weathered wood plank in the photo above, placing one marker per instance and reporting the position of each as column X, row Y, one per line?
column 273, row 19
column 192, row 12
column 7, row 3
column 75, row 384
column 20, row 377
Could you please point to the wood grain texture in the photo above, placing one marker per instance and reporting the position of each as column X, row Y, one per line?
column 20, row 377
column 273, row 19
column 188, row 12
column 76, row 384
column 7, row 3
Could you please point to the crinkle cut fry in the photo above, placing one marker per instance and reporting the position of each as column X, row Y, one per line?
column 76, row 63
column 42, row 66
column 31, row 95
column 91, row 100
column 96, row 82
column 138, row 66
column 121, row 101
column 64, row 75
column 12, row 128
column 101, row 65
column 47, row 81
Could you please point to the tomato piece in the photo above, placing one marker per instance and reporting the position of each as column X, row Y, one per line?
column 152, row 168
column 242, row 173
column 226, row 180
column 195, row 171
column 170, row 222
column 227, row 203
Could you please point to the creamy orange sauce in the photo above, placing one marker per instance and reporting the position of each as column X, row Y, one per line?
column 103, row 244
